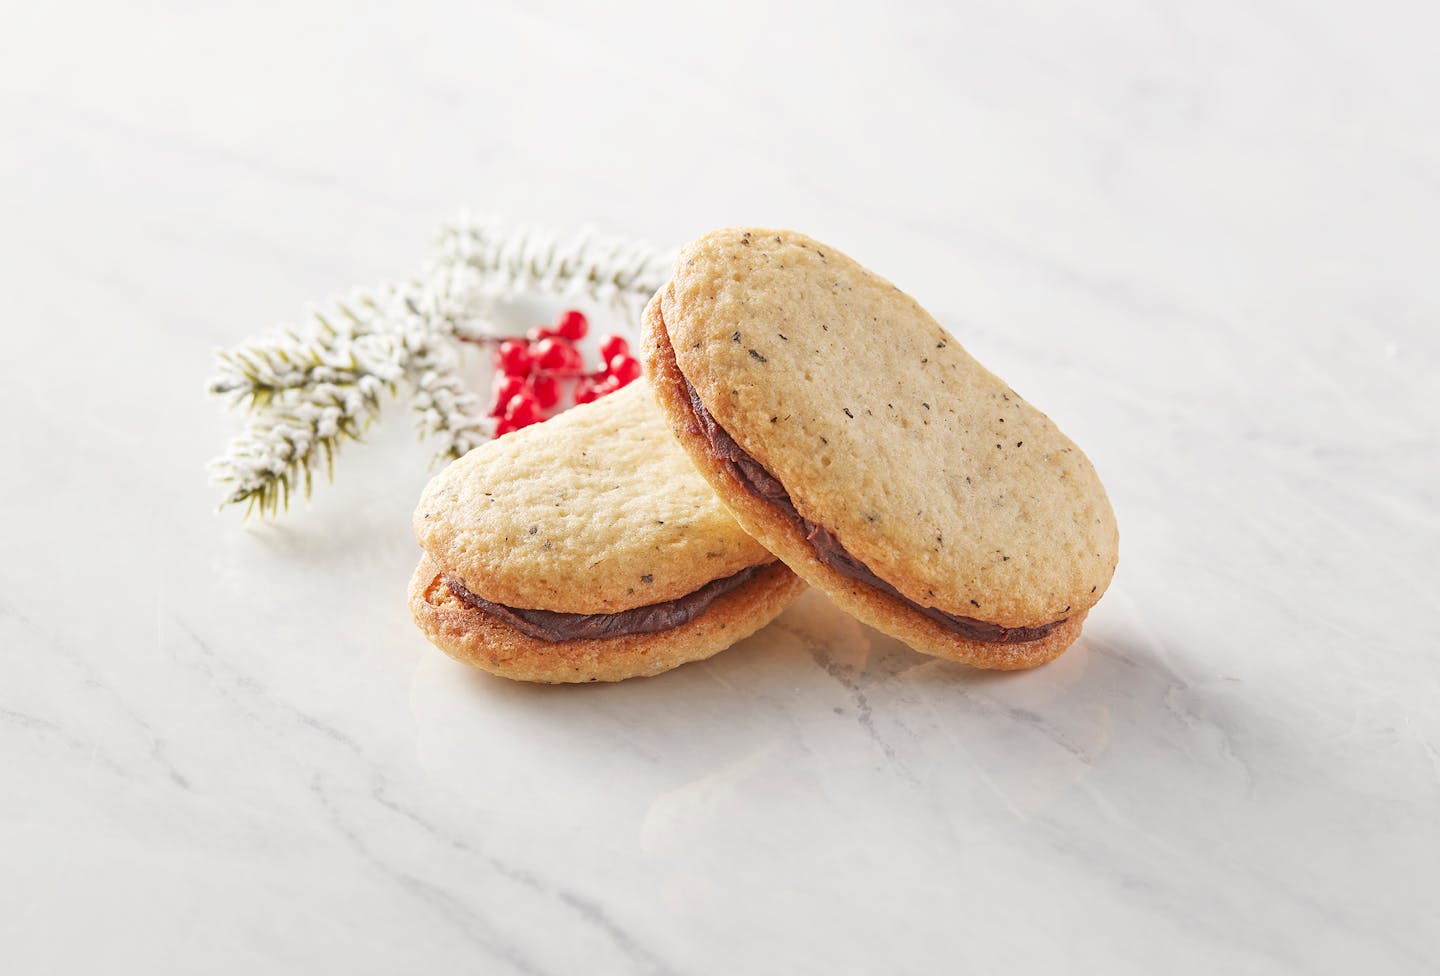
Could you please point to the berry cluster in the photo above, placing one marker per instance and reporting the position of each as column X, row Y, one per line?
column 529, row 372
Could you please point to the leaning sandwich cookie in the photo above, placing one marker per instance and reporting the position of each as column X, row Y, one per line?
column 587, row 548
column 854, row 438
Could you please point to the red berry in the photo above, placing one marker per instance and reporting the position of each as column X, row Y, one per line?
column 559, row 356
column 550, row 353
column 574, row 362
column 512, row 358
column 572, row 325
column 609, row 384
column 505, row 388
column 546, row 390
column 523, row 409
column 503, row 427
column 585, row 390
column 541, row 332
column 612, row 346
column 625, row 369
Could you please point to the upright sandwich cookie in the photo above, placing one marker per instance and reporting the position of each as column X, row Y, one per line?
column 587, row 548
column 854, row 438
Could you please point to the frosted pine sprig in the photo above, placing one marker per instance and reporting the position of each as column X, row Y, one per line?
column 445, row 408
column 310, row 388
column 277, row 452
column 334, row 344
column 442, row 404
column 617, row 271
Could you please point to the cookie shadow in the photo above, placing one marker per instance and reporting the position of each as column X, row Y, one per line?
column 818, row 701
column 815, row 665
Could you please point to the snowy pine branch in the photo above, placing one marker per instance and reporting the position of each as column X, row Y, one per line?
column 620, row 272
column 444, row 407
column 278, row 450
column 311, row 387
column 335, row 344
column 427, row 325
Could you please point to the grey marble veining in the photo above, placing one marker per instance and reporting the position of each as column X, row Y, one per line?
column 1202, row 237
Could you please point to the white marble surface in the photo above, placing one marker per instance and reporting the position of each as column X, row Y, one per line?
column 1204, row 237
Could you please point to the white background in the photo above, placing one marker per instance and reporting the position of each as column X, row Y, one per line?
column 1203, row 237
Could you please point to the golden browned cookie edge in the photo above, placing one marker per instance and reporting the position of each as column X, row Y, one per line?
column 473, row 637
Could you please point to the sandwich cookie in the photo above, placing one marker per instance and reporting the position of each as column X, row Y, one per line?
column 587, row 548
column 857, row 440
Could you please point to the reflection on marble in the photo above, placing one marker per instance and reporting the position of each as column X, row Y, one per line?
column 1201, row 237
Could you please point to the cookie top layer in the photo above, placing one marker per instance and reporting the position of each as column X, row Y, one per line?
column 925, row 466
column 595, row 511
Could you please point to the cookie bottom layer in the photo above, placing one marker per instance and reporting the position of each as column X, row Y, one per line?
column 773, row 529
column 482, row 640
column 549, row 625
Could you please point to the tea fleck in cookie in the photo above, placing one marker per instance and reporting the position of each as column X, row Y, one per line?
column 587, row 548
column 857, row 440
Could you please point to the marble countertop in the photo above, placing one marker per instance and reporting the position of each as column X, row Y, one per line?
column 1204, row 238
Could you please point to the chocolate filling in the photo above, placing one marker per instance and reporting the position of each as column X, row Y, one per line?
column 763, row 485
column 552, row 626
